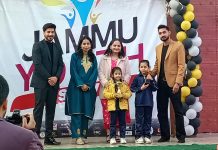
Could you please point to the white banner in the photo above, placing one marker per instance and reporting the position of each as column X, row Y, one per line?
column 134, row 22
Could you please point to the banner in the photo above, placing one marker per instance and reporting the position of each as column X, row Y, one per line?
column 134, row 22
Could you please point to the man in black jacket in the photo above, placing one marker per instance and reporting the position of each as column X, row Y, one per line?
column 48, row 62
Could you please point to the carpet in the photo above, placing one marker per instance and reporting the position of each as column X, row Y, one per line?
column 170, row 147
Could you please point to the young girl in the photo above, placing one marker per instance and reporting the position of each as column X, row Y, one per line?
column 117, row 94
column 143, row 87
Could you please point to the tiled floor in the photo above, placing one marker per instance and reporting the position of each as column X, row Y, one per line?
column 203, row 138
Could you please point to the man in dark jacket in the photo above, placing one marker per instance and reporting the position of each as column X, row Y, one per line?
column 48, row 62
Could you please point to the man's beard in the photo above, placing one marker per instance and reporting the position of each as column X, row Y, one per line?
column 49, row 38
column 165, row 39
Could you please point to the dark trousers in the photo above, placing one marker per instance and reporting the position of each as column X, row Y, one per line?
column 143, row 116
column 45, row 97
column 163, row 94
column 121, row 116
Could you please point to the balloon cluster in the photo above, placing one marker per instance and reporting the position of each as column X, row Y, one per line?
column 182, row 12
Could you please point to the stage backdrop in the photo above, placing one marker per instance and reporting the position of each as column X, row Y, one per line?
column 134, row 22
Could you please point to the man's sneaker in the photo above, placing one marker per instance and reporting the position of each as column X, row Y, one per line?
column 139, row 140
column 79, row 141
column 147, row 140
column 123, row 141
column 113, row 141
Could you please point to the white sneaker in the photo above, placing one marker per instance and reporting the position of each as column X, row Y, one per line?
column 139, row 140
column 147, row 140
column 113, row 141
column 123, row 141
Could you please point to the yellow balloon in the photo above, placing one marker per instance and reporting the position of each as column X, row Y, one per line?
column 197, row 66
column 181, row 36
column 196, row 73
column 185, row 25
column 183, row 99
column 185, row 91
column 192, row 82
column 190, row 7
column 189, row 16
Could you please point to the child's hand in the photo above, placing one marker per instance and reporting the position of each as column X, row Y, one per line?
column 149, row 77
column 118, row 95
column 144, row 86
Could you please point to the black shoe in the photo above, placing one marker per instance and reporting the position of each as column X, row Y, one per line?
column 163, row 140
column 51, row 141
column 181, row 141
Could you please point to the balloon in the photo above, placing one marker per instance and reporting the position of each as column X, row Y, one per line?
column 197, row 99
column 187, row 43
column 181, row 36
column 178, row 19
column 199, row 82
column 173, row 4
column 196, row 73
column 189, row 130
column 197, row 41
column 196, row 132
column 197, row 91
column 198, row 115
column 184, row 2
column 188, row 74
column 183, row 99
column 194, row 24
column 195, row 123
column 181, row 9
column 178, row 28
column 190, row 7
column 191, row 33
column 185, row 108
column 192, row 82
column 189, row 16
column 185, row 25
column 197, row 59
column 191, row 65
column 191, row 114
column 190, row 100
column 173, row 12
column 197, row 66
column 197, row 106
column 193, row 51
column 185, row 91
column 186, row 121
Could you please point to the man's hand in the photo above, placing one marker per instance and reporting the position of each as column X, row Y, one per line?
column 52, row 81
column 30, row 124
column 144, row 86
column 84, row 88
column 175, row 88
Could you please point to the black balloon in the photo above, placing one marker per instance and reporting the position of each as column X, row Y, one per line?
column 199, row 82
column 191, row 33
column 197, row 59
column 191, row 65
column 198, row 115
column 196, row 132
column 188, row 74
column 185, row 108
column 187, row 43
column 197, row 91
column 195, row 122
column 178, row 19
column 185, row 82
column 178, row 28
column 181, row 9
column 190, row 100
column 194, row 24
column 184, row 2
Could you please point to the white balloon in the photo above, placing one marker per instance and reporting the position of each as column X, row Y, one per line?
column 173, row 4
column 197, row 106
column 196, row 41
column 186, row 121
column 173, row 12
column 189, row 130
column 191, row 113
column 193, row 51
column 197, row 99
column 152, row 130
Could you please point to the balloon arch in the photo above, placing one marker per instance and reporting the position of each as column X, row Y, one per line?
column 182, row 12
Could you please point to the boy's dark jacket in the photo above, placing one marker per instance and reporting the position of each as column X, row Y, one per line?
column 143, row 97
